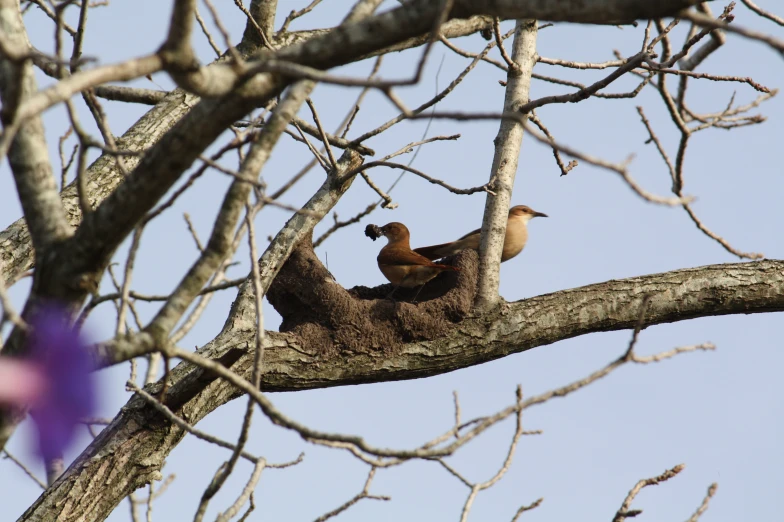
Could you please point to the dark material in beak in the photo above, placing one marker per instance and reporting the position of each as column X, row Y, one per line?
column 540, row 214
column 373, row 232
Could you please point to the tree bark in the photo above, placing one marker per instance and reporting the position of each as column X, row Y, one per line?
column 508, row 143
column 132, row 449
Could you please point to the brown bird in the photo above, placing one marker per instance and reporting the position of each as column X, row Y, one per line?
column 401, row 265
column 514, row 241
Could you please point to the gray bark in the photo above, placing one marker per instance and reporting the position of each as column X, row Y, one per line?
column 28, row 154
column 131, row 451
column 508, row 143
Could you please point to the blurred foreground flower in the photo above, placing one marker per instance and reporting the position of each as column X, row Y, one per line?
column 53, row 381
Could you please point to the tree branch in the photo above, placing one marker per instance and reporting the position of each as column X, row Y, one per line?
column 141, row 438
column 27, row 153
column 508, row 143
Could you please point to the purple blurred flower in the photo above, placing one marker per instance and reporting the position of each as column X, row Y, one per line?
column 54, row 381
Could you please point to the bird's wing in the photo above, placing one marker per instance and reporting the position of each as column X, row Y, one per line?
column 434, row 252
column 399, row 256
column 477, row 231
column 470, row 240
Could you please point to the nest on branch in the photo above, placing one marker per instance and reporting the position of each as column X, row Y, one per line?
column 361, row 319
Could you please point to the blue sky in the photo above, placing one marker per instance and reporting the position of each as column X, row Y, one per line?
column 718, row 412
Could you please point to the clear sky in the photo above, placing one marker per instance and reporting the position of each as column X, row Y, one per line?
column 718, row 412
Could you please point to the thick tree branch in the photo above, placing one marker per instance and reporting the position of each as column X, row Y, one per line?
column 131, row 451
column 508, row 143
column 27, row 153
column 350, row 41
column 30, row 164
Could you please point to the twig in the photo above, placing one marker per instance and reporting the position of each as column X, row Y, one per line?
column 433, row 101
column 479, row 486
column 619, row 169
column 624, row 512
column 582, row 94
column 765, row 14
column 251, row 20
column 193, row 232
column 435, row 181
column 556, row 153
column 706, row 21
column 293, row 15
column 174, row 419
column 235, row 55
column 672, row 353
column 383, row 195
column 529, row 507
column 335, row 141
column 323, row 134
column 206, row 32
column 677, row 183
column 26, row 470
column 65, row 166
column 365, row 493
column 704, row 505
column 500, row 42
column 126, row 284
column 444, row 40
column 244, row 496
column 9, row 312
column 337, row 225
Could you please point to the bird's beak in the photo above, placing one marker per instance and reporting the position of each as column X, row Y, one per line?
column 540, row 214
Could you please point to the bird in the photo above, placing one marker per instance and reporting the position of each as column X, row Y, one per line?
column 401, row 265
column 514, row 241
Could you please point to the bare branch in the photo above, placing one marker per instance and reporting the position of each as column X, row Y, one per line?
column 582, row 94
column 624, row 511
column 337, row 225
column 765, row 14
column 556, row 153
column 529, row 507
column 709, row 22
column 435, row 181
column 174, row 419
column 333, row 163
column 293, row 15
column 24, row 140
column 704, row 506
column 245, row 494
column 26, row 470
column 620, row 169
column 207, row 33
column 365, row 493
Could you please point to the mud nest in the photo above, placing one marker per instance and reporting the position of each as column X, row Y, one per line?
column 333, row 319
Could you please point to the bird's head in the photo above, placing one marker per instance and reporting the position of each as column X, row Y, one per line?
column 525, row 213
column 395, row 231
